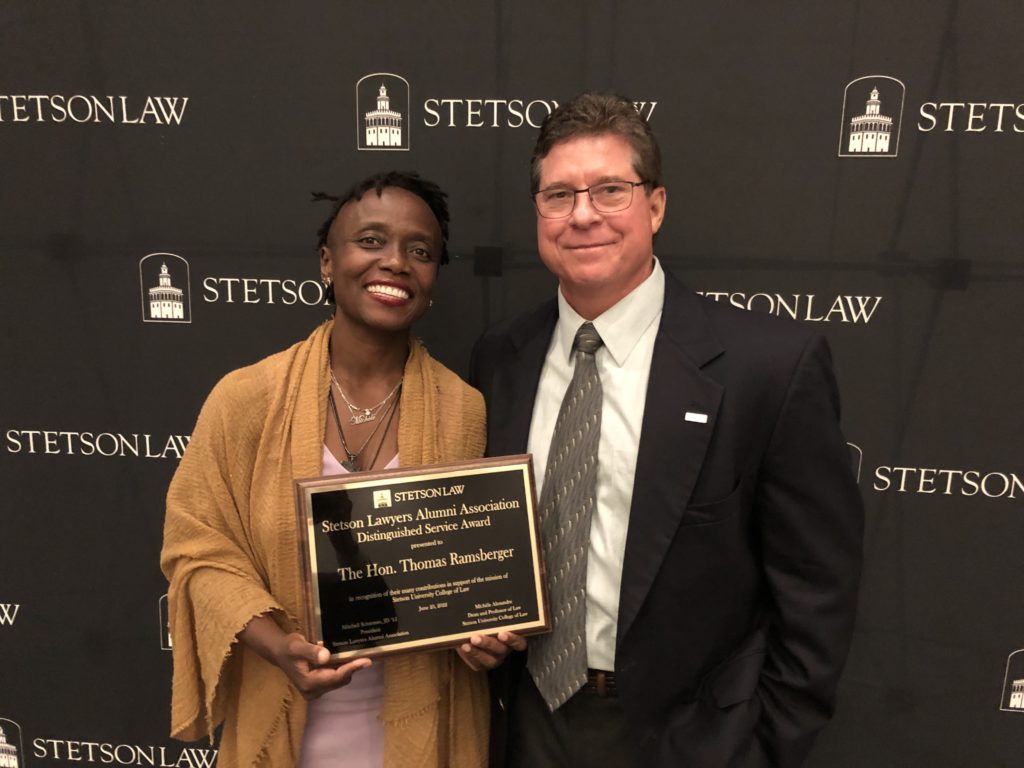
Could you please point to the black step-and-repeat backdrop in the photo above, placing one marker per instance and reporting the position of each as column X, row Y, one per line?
column 855, row 165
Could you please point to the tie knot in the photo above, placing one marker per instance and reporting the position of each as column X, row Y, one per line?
column 588, row 339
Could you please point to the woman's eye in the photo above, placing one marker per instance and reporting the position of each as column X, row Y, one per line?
column 422, row 254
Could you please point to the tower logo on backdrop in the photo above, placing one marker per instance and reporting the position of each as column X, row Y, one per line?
column 165, row 625
column 856, row 459
column 872, row 113
column 164, row 285
column 382, row 112
column 1013, row 684
column 11, row 753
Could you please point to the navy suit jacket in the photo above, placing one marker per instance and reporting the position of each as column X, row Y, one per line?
column 743, row 551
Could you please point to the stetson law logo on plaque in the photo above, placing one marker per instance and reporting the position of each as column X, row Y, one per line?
column 382, row 112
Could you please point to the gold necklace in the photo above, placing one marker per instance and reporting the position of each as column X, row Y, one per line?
column 359, row 415
column 351, row 458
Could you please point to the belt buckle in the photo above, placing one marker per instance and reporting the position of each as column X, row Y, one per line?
column 602, row 682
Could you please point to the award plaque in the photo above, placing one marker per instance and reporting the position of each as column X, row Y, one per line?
column 419, row 558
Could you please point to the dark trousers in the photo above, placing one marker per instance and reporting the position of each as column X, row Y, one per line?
column 588, row 730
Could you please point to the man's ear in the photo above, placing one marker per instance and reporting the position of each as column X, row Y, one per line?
column 656, row 204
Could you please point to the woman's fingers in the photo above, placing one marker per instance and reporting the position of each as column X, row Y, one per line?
column 314, row 683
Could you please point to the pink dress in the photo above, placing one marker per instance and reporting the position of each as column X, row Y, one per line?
column 342, row 727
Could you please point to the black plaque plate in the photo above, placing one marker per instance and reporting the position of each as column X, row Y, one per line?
column 420, row 558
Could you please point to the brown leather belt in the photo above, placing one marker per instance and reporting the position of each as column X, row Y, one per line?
column 602, row 683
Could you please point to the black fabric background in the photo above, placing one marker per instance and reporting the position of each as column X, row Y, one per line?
column 749, row 111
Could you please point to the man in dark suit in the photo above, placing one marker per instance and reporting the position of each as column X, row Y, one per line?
column 723, row 526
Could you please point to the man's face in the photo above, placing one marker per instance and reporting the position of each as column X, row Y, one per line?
column 597, row 257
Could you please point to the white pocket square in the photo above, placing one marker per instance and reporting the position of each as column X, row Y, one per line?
column 698, row 418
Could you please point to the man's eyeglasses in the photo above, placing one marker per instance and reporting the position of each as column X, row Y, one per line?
column 606, row 197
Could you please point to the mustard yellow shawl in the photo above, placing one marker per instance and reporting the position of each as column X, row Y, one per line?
column 231, row 553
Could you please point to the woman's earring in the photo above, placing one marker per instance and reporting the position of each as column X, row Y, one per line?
column 430, row 304
column 328, row 289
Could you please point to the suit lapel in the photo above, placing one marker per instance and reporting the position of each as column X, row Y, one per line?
column 526, row 348
column 672, row 448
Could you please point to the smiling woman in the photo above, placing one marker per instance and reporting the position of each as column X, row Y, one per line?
column 381, row 257
column 358, row 394
column 379, row 254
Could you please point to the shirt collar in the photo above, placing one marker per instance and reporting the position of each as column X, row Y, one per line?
column 621, row 325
